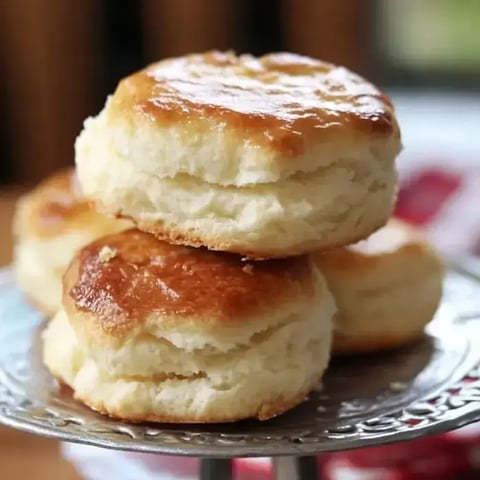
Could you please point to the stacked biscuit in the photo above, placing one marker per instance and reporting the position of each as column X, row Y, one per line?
column 51, row 223
column 246, row 178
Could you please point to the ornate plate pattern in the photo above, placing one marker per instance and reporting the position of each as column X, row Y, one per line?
column 429, row 387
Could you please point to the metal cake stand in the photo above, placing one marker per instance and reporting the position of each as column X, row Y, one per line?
column 429, row 387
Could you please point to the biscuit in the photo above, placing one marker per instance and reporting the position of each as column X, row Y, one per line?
column 387, row 288
column 157, row 332
column 51, row 223
column 266, row 157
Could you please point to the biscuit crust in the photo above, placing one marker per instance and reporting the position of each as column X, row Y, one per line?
column 280, row 100
column 142, row 275
column 387, row 288
column 51, row 223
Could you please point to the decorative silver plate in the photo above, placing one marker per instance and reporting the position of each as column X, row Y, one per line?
column 430, row 387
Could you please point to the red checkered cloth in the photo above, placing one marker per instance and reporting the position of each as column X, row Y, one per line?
column 446, row 204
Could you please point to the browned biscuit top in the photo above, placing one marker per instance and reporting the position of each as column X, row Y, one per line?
column 122, row 278
column 281, row 100
column 51, row 205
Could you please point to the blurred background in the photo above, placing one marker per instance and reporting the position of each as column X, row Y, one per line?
column 59, row 59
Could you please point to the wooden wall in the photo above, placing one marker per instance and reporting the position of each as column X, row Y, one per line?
column 53, row 55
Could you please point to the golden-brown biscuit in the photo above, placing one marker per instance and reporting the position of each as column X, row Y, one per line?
column 159, row 332
column 267, row 157
column 386, row 288
column 51, row 223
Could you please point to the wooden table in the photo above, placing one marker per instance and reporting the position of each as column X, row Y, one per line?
column 24, row 456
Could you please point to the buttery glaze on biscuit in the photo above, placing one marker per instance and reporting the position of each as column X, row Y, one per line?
column 142, row 275
column 282, row 100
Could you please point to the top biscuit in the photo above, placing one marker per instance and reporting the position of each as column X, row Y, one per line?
column 256, row 120
column 267, row 157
